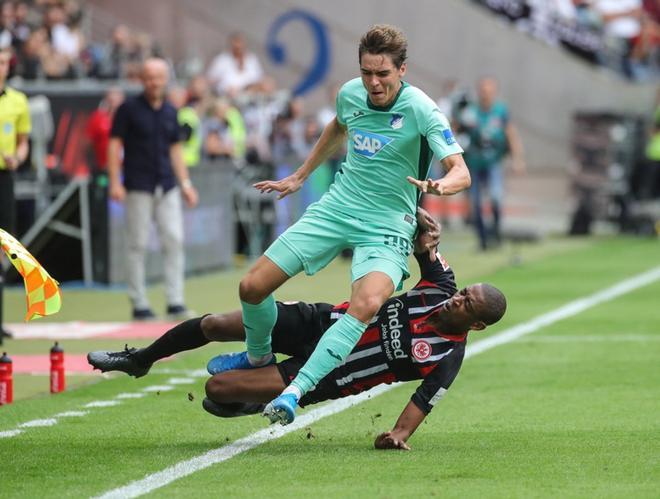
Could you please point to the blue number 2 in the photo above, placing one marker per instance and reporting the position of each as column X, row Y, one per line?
column 321, row 62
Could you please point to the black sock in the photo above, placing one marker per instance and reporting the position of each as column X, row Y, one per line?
column 185, row 336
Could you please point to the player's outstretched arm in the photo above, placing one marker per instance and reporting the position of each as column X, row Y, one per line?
column 456, row 179
column 411, row 417
column 330, row 140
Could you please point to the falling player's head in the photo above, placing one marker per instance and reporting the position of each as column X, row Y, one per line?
column 472, row 308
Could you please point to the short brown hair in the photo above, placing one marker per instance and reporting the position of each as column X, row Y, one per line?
column 384, row 39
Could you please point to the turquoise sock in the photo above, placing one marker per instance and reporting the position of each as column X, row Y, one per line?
column 258, row 321
column 335, row 345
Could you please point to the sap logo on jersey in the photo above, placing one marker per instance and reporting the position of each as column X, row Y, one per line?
column 369, row 144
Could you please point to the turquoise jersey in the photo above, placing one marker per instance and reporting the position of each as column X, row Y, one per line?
column 488, row 140
column 385, row 145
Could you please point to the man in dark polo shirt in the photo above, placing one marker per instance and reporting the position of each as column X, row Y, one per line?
column 155, row 178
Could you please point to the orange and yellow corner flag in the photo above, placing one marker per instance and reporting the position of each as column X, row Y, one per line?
column 42, row 292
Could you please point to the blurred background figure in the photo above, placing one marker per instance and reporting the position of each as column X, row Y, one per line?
column 328, row 111
column 224, row 132
column 110, row 58
column 66, row 42
column 7, row 19
column 622, row 24
column 146, row 129
column 100, row 124
column 260, row 110
column 190, row 124
column 649, row 178
column 236, row 70
column 491, row 137
column 15, row 127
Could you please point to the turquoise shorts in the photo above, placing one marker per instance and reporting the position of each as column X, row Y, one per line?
column 317, row 238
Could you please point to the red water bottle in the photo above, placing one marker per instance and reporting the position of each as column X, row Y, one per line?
column 57, row 381
column 6, row 380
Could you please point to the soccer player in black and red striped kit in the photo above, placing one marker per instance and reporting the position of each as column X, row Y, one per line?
column 420, row 334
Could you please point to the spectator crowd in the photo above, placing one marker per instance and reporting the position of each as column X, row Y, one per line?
column 621, row 34
column 49, row 42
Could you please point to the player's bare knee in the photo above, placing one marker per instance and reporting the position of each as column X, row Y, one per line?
column 250, row 291
column 212, row 326
column 218, row 389
column 364, row 308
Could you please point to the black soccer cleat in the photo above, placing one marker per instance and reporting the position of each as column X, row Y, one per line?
column 124, row 361
column 231, row 410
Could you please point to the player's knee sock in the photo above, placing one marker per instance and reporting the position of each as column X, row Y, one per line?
column 185, row 336
column 331, row 351
column 258, row 321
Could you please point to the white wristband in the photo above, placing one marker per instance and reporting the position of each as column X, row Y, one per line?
column 186, row 184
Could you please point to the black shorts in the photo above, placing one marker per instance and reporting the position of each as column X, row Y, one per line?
column 298, row 329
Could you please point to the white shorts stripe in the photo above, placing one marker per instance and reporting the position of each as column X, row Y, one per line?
column 362, row 354
column 361, row 374
column 429, row 291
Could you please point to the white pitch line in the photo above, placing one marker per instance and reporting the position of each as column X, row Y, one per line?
column 185, row 468
column 190, row 466
column 37, row 423
column 72, row 414
column 129, row 395
column 180, row 381
column 10, row 433
column 103, row 403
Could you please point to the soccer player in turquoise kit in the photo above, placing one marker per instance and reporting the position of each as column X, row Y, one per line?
column 393, row 130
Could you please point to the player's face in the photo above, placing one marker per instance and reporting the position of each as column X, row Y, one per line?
column 381, row 78
column 461, row 311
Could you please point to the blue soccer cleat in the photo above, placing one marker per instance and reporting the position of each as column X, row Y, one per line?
column 282, row 409
column 230, row 361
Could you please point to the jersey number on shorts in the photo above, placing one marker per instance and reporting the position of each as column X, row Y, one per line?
column 400, row 244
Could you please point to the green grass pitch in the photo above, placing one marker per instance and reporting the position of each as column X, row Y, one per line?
column 572, row 410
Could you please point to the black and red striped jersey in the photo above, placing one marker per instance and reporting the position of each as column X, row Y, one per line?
column 399, row 346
